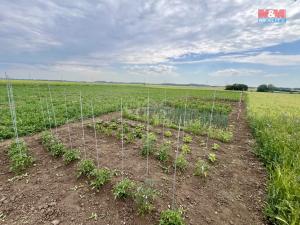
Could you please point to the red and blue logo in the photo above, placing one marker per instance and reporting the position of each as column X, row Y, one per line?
column 271, row 15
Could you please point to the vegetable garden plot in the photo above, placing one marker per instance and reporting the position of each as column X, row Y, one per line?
column 195, row 195
column 215, row 125
column 145, row 168
column 170, row 116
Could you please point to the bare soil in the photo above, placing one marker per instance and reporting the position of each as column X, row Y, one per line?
column 233, row 192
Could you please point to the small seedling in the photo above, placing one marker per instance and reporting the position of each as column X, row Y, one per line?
column 86, row 168
column 215, row 146
column 181, row 163
column 2, row 216
column 124, row 188
column 171, row 217
column 187, row 139
column 168, row 133
column 100, row 177
column 185, row 149
column 201, row 168
column 144, row 198
column 212, row 157
column 163, row 152
column 71, row 155
column 93, row 216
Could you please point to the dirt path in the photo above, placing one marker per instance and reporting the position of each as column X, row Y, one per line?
column 233, row 192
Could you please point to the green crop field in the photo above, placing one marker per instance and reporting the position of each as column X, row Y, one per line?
column 34, row 102
column 275, row 119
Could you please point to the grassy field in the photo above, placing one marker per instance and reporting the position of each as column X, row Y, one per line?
column 35, row 112
column 275, row 119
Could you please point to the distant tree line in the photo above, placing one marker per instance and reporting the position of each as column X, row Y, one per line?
column 266, row 88
column 272, row 88
column 237, row 87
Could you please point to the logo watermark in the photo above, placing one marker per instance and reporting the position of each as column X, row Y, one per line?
column 271, row 15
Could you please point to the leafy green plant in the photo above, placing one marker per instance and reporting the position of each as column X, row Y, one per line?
column 113, row 125
column 168, row 133
column 215, row 146
column 138, row 131
column 185, row 149
column 144, row 198
column 187, row 139
column 171, row 217
column 221, row 135
column 107, row 131
column 124, row 188
column 47, row 139
column 148, row 144
column 125, row 128
column 86, row 168
column 181, row 162
column 71, row 155
column 100, row 177
column 212, row 157
column 129, row 138
column 163, row 152
column 196, row 127
column 57, row 149
column 53, row 145
column 19, row 156
column 201, row 168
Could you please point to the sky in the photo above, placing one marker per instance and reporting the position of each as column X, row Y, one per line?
column 215, row 42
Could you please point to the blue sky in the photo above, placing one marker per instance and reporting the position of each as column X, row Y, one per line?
column 213, row 42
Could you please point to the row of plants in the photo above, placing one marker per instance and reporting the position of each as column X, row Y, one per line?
column 57, row 149
column 114, row 128
column 162, row 153
column 196, row 126
column 202, row 167
column 149, row 146
column 143, row 195
column 19, row 156
column 201, row 105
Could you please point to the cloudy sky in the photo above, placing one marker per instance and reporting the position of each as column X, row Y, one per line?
column 181, row 41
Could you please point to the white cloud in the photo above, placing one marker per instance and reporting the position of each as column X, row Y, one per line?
column 265, row 58
column 236, row 73
column 243, row 72
column 142, row 31
column 154, row 69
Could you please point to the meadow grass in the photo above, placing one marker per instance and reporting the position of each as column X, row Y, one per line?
column 275, row 120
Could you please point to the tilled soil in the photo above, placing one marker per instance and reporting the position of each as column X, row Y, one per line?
column 233, row 192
